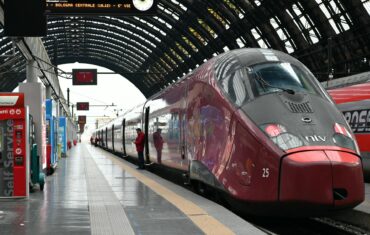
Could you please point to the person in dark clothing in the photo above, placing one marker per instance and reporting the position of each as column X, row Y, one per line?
column 158, row 143
column 139, row 142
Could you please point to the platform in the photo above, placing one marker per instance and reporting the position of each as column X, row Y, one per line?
column 95, row 192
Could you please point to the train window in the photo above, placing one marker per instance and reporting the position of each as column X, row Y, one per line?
column 234, row 86
column 273, row 77
column 239, row 88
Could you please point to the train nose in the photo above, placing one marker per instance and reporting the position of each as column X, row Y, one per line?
column 330, row 178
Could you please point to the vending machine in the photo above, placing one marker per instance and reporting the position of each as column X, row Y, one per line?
column 51, row 136
column 62, row 133
column 14, row 147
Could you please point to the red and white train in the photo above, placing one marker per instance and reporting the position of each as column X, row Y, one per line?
column 354, row 102
column 255, row 125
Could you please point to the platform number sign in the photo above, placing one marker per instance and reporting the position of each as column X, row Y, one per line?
column 84, row 77
column 82, row 106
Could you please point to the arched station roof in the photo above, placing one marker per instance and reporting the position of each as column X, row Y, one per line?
column 154, row 51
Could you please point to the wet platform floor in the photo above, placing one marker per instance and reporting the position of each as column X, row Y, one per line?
column 91, row 193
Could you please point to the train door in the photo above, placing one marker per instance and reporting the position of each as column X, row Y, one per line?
column 123, row 137
column 183, row 124
column 100, row 138
column 106, row 137
column 146, row 130
column 113, row 138
column 182, row 134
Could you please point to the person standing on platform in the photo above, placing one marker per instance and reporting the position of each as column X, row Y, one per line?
column 139, row 142
column 158, row 143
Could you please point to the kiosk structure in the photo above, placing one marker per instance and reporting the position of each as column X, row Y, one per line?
column 51, row 136
column 14, row 146
column 62, row 133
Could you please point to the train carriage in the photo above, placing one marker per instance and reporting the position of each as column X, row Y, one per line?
column 255, row 125
column 354, row 102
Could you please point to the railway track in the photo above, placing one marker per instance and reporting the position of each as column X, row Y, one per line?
column 312, row 226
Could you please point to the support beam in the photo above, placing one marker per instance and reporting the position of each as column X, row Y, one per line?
column 31, row 71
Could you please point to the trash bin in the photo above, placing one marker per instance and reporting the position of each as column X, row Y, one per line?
column 37, row 177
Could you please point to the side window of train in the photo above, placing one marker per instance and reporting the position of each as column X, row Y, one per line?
column 234, row 86
column 240, row 88
column 174, row 127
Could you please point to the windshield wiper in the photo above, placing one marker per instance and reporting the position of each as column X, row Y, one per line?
column 264, row 83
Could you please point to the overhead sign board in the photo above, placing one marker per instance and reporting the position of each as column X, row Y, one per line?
column 82, row 106
column 101, row 7
column 84, row 77
column 81, row 119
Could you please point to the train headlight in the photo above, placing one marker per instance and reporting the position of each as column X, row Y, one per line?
column 279, row 135
column 343, row 138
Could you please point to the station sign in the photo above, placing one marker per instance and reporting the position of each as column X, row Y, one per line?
column 82, row 106
column 84, row 77
column 101, row 7
column 81, row 119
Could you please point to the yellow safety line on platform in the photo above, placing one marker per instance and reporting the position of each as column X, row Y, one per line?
column 200, row 217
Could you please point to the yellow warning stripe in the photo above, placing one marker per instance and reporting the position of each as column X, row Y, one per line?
column 200, row 217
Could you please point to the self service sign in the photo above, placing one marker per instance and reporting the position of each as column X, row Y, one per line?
column 14, row 166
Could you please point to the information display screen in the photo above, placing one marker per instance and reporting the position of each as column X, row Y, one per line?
column 101, row 7
column 82, row 106
column 84, row 77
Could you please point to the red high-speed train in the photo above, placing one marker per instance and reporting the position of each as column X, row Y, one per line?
column 354, row 102
column 255, row 125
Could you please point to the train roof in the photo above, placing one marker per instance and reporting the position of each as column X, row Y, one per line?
column 251, row 56
column 231, row 61
column 351, row 93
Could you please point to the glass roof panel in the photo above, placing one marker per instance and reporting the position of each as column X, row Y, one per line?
column 366, row 4
column 207, row 28
column 168, row 11
column 219, row 18
column 283, row 34
column 258, row 36
column 304, row 23
column 187, row 41
column 184, row 8
column 240, row 42
column 335, row 13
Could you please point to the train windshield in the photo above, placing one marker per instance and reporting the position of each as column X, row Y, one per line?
column 274, row 77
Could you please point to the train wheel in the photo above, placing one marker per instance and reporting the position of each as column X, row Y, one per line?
column 200, row 188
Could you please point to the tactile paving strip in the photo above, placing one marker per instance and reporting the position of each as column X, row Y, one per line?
column 107, row 215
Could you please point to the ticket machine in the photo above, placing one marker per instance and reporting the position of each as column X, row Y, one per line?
column 14, row 148
column 51, row 136
column 62, row 134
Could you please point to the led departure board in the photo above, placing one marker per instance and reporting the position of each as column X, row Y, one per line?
column 101, row 7
column 84, row 77
column 82, row 106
